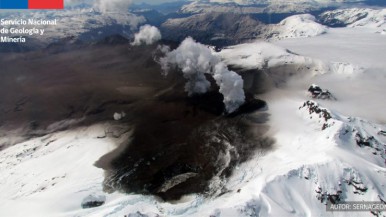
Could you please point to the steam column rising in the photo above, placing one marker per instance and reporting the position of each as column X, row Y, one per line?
column 195, row 60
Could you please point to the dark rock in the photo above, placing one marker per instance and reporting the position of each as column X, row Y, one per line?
column 363, row 141
column 326, row 197
column 382, row 133
column 318, row 93
column 359, row 187
column 313, row 107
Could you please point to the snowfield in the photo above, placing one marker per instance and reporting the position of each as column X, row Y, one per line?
column 357, row 18
column 315, row 158
column 299, row 26
column 325, row 150
column 357, row 57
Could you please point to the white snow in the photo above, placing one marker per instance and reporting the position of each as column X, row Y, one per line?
column 358, row 56
column 255, row 55
column 307, row 158
column 51, row 175
column 355, row 46
column 298, row 26
column 359, row 17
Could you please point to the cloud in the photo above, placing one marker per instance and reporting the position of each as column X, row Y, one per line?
column 103, row 6
column 195, row 60
column 106, row 6
column 147, row 35
column 76, row 2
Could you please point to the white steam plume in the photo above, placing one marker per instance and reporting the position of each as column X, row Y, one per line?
column 147, row 35
column 195, row 60
column 231, row 86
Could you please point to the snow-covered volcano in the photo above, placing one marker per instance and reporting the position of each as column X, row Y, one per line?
column 324, row 150
column 101, row 130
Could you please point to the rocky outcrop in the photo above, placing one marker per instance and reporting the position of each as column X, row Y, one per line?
column 319, row 93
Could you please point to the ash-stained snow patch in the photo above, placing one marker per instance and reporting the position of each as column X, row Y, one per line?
column 92, row 201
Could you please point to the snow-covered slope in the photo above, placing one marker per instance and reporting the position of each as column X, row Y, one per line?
column 321, row 154
column 257, row 55
column 357, row 17
column 259, row 6
column 359, row 47
column 297, row 26
column 350, row 51
column 262, row 55
column 52, row 174
column 327, row 164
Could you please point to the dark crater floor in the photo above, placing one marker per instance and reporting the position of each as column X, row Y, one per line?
column 181, row 144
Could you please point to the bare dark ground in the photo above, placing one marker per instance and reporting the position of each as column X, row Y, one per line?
column 179, row 144
column 85, row 85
